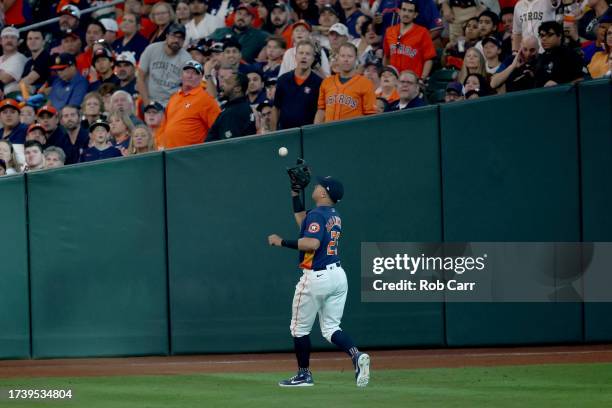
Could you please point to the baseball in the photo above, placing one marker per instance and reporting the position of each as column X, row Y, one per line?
column 282, row 152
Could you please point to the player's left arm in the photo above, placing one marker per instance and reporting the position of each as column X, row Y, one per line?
column 305, row 244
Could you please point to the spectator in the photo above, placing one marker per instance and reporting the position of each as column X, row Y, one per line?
column 270, row 85
column 69, row 19
column 368, row 41
column 183, row 14
column 527, row 22
column 48, row 118
column 590, row 20
column 142, row 141
column 457, row 13
column 351, row 13
column 92, row 109
column 101, row 147
column 264, row 117
column 278, row 22
column 428, row 17
column 487, row 27
column 251, row 39
column 37, row 132
column 162, row 16
column 12, row 61
column 69, row 87
column 408, row 45
column 159, row 71
column 121, row 128
column 191, row 112
column 256, row 93
column 506, row 16
column 202, row 24
column 153, row 117
column 302, row 32
column 491, row 51
column 478, row 83
column 199, row 51
column 94, row 34
column 454, row 92
column 327, row 18
column 558, row 64
column 111, row 29
column 54, row 157
column 27, row 115
column 409, row 92
column 34, row 159
column 12, row 129
column 600, row 62
column 455, row 52
column 7, row 153
column 237, row 118
column 518, row 75
column 473, row 63
column 36, row 70
column 103, row 65
column 125, row 70
column 71, row 43
column 122, row 101
column 136, row 8
column 274, row 51
column 347, row 94
column 297, row 92
column 106, row 91
column 590, row 48
column 77, row 141
column 388, row 85
column 338, row 34
column 132, row 39
column 305, row 10
column 232, row 55
column 372, row 71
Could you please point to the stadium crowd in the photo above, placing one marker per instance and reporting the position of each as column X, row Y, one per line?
column 141, row 76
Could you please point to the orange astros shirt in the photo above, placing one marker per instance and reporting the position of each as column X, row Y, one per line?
column 188, row 119
column 410, row 50
column 352, row 99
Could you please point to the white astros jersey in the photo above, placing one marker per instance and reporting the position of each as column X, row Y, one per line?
column 529, row 14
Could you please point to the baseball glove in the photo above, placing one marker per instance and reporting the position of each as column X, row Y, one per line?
column 299, row 175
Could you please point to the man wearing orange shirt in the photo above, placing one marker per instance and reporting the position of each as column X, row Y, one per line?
column 408, row 46
column 347, row 94
column 190, row 112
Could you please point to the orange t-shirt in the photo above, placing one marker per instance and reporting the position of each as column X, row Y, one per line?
column 351, row 99
column 392, row 98
column 188, row 118
column 410, row 50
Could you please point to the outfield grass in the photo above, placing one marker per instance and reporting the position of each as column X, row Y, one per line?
column 575, row 385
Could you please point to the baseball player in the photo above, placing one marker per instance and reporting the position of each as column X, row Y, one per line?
column 346, row 94
column 322, row 288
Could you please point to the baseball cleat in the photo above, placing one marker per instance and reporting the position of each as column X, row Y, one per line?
column 301, row 379
column 362, row 369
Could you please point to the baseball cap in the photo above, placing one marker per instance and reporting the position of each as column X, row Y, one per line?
column 251, row 10
column 71, row 33
column 330, row 8
column 101, row 53
column 339, row 29
column 455, row 87
column 263, row 104
column 197, row 46
column 195, row 65
column 155, row 106
column 302, row 23
column 216, row 47
column 109, row 24
column 35, row 126
column 231, row 42
column 71, row 10
column 126, row 56
column 11, row 103
column 48, row 109
column 334, row 187
column 176, row 28
column 63, row 60
column 9, row 31
column 99, row 122
column 493, row 40
column 391, row 69
column 278, row 5
column 270, row 81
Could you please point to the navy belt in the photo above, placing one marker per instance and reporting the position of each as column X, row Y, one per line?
column 324, row 269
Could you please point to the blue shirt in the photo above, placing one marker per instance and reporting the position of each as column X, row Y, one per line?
column 68, row 93
column 415, row 103
column 17, row 135
column 137, row 45
column 297, row 104
column 324, row 224
column 428, row 17
column 92, row 154
column 351, row 21
column 74, row 151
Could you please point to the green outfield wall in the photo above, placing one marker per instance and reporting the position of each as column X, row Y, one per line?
column 166, row 253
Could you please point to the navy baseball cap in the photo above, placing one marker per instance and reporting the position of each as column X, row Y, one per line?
column 195, row 65
column 334, row 187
